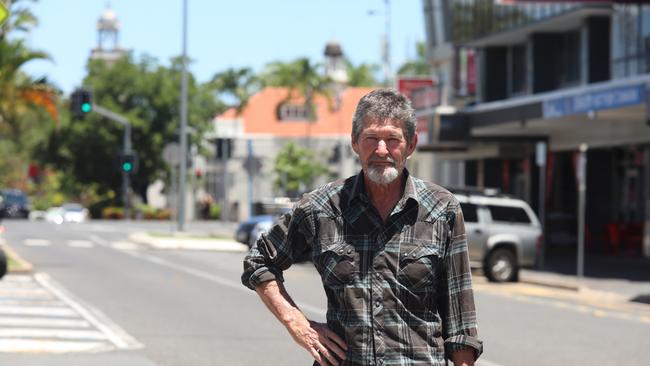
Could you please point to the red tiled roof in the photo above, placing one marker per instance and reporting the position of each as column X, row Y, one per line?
column 261, row 117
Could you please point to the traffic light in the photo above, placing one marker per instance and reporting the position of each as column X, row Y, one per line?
column 81, row 103
column 129, row 163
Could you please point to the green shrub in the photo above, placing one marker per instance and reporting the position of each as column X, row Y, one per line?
column 215, row 211
column 113, row 213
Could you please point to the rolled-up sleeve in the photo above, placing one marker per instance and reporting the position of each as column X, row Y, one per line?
column 456, row 301
column 290, row 238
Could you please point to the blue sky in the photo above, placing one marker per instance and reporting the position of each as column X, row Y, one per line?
column 222, row 34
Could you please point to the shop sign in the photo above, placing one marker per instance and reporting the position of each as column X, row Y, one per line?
column 594, row 101
column 407, row 84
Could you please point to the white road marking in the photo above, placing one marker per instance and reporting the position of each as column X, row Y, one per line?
column 38, row 310
column 52, row 334
column 99, row 240
column 42, row 346
column 17, row 279
column 43, row 322
column 124, row 245
column 26, row 293
column 314, row 310
column 113, row 333
column 80, row 244
column 37, row 242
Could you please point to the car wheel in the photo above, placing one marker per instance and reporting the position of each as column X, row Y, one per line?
column 501, row 266
column 3, row 263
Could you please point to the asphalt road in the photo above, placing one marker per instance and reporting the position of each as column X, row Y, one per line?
column 143, row 307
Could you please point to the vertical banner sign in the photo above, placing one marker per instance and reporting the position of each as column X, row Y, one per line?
column 4, row 12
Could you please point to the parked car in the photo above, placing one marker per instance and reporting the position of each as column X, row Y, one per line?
column 503, row 233
column 14, row 204
column 259, row 229
column 244, row 232
column 69, row 212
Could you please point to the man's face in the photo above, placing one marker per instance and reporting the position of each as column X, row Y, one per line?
column 383, row 150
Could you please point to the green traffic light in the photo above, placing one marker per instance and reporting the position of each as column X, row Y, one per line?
column 86, row 107
column 127, row 167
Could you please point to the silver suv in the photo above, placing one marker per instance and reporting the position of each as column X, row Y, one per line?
column 503, row 233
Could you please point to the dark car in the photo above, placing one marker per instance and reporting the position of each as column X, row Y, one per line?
column 13, row 204
column 245, row 229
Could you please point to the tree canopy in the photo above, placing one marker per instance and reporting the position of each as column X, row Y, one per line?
column 296, row 169
column 147, row 94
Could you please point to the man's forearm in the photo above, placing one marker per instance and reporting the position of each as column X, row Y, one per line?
column 276, row 298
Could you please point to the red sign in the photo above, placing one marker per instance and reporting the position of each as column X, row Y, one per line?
column 471, row 72
column 407, row 84
column 425, row 98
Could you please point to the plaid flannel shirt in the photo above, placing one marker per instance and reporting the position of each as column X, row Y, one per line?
column 399, row 292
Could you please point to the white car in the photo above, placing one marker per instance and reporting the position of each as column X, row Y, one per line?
column 503, row 233
column 70, row 212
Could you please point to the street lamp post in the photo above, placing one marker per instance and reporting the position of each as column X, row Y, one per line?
column 385, row 51
column 182, row 176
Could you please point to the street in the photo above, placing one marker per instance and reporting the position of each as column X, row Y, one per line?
column 97, row 299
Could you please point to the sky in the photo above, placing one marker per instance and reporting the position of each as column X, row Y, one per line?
column 222, row 34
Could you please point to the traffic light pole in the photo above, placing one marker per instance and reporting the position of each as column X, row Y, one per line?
column 126, row 150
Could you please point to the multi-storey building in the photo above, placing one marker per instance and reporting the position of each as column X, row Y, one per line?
column 531, row 82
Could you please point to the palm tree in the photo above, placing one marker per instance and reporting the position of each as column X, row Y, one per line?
column 19, row 91
column 300, row 76
column 20, row 95
column 362, row 75
column 419, row 66
column 235, row 86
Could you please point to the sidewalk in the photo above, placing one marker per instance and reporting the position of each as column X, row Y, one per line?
column 623, row 277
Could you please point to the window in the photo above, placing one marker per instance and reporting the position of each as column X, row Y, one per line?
column 509, row 214
column 293, row 112
column 469, row 212
column 519, row 64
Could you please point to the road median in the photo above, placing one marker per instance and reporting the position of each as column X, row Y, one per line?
column 16, row 263
column 182, row 241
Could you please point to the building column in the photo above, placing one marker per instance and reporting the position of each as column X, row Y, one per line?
column 480, row 173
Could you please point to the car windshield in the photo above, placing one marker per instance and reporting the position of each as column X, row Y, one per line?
column 73, row 208
column 12, row 198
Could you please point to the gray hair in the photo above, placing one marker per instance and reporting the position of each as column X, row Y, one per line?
column 382, row 105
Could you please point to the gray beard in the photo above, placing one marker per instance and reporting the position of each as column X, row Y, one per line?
column 383, row 176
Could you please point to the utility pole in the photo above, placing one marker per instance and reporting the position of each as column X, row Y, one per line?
column 582, row 197
column 387, row 68
column 541, row 164
column 126, row 150
column 182, row 176
column 385, row 44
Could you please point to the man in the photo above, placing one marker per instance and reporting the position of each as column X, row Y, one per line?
column 390, row 249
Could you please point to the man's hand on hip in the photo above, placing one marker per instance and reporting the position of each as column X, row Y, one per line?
column 320, row 341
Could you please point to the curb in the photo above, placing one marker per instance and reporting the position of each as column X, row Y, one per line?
column 187, row 243
column 24, row 267
column 552, row 284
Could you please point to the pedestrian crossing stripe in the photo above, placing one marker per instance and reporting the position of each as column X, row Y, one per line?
column 54, row 324
column 47, row 346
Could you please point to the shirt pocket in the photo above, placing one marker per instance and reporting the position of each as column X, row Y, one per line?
column 419, row 265
column 338, row 264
